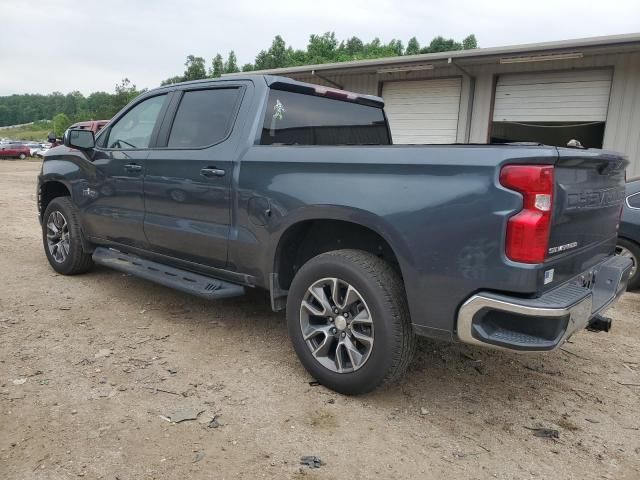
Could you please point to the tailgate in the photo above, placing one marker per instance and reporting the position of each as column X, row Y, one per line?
column 589, row 192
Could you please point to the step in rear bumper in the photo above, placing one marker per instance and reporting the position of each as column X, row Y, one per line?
column 546, row 322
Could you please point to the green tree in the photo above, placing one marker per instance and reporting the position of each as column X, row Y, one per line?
column 278, row 52
column 296, row 57
column 217, row 66
column 60, row 123
column 125, row 92
column 275, row 57
column 72, row 103
column 441, row 44
column 396, row 47
column 353, row 46
column 231, row 65
column 413, row 47
column 322, row 48
column 195, row 68
column 172, row 80
column 470, row 42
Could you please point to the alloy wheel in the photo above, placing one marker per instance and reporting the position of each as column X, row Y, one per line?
column 58, row 236
column 336, row 325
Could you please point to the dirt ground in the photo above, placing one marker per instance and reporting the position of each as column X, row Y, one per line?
column 93, row 367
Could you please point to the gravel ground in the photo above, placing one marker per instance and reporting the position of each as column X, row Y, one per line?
column 94, row 367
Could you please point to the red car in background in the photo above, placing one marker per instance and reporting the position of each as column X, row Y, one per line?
column 94, row 125
column 10, row 150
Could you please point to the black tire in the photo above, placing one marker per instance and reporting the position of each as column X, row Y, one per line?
column 634, row 249
column 76, row 260
column 381, row 287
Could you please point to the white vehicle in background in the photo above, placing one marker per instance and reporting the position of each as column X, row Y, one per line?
column 34, row 148
column 44, row 148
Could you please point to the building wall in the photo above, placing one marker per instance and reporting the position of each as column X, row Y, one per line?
column 622, row 132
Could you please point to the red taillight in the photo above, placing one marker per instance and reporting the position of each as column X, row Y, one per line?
column 528, row 230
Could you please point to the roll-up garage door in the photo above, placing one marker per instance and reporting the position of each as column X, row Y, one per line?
column 423, row 111
column 575, row 96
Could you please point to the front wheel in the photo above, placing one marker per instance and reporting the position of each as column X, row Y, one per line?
column 22, row 156
column 62, row 238
column 630, row 249
column 348, row 321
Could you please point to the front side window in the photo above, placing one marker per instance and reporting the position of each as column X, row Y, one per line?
column 299, row 119
column 134, row 129
column 204, row 117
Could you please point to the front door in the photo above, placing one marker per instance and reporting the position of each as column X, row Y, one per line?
column 187, row 178
column 113, row 201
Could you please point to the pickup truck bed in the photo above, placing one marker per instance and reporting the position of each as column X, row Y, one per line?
column 365, row 243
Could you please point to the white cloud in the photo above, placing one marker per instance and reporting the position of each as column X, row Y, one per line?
column 48, row 45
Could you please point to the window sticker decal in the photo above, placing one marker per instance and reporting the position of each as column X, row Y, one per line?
column 278, row 110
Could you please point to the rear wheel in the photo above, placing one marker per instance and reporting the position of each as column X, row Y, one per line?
column 630, row 249
column 22, row 156
column 348, row 321
column 62, row 238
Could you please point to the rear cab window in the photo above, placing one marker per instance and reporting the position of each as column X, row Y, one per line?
column 293, row 118
column 204, row 117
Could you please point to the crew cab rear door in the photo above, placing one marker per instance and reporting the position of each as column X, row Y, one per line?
column 188, row 175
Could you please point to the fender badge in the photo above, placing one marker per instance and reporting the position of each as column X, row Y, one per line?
column 87, row 192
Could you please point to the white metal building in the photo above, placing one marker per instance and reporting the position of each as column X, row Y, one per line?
column 587, row 89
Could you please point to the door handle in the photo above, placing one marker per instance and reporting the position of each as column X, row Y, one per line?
column 212, row 172
column 132, row 167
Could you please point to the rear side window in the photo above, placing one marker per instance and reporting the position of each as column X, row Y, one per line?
column 204, row 117
column 299, row 119
column 634, row 200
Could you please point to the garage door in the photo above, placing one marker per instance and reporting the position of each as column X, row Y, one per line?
column 553, row 97
column 424, row 111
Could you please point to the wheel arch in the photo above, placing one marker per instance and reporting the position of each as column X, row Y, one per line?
column 49, row 190
column 629, row 239
column 306, row 237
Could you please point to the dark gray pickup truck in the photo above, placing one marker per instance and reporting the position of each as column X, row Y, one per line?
column 215, row 186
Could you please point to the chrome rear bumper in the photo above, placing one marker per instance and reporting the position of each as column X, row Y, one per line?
column 546, row 322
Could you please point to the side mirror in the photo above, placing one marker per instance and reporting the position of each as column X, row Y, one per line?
column 80, row 139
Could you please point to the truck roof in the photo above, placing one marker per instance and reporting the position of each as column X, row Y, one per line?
column 288, row 84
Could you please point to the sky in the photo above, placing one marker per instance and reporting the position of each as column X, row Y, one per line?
column 90, row 45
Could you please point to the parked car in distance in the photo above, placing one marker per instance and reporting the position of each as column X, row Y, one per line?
column 44, row 149
column 33, row 148
column 629, row 234
column 251, row 181
column 94, row 125
column 14, row 150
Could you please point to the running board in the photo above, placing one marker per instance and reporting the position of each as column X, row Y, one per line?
column 185, row 281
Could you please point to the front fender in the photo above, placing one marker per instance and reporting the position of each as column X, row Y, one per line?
column 70, row 167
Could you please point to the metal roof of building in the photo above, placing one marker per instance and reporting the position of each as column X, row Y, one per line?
column 591, row 45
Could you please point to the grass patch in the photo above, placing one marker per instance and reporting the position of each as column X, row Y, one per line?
column 33, row 133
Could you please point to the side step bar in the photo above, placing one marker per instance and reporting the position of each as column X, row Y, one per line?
column 188, row 282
